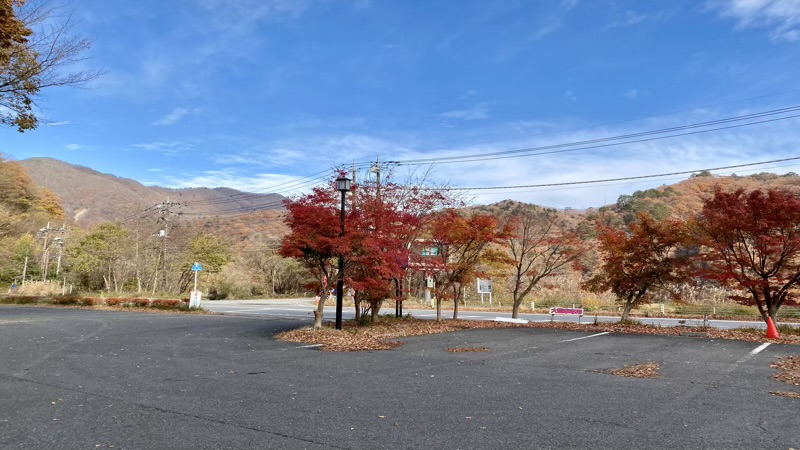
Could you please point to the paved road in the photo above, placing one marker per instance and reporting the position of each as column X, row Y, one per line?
column 303, row 309
column 72, row 378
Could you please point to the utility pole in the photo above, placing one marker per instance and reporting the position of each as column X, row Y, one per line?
column 24, row 271
column 60, row 241
column 43, row 233
column 166, row 215
column 355, row 182
column 376, row 169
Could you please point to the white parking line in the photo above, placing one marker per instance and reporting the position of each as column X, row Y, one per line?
column 758, row 349
column 586, row 337
column 752, row 353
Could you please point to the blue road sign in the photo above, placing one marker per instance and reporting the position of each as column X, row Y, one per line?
column 197, row 267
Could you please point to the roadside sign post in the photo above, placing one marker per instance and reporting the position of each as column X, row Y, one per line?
column 485, row 287
column 194, row 299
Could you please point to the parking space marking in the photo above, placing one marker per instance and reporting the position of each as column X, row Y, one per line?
column 752, row 353
column 758, row 349
column 585, row 337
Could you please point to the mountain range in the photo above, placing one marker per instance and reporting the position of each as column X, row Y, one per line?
column 90, row 197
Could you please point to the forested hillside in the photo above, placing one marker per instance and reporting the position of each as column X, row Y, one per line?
column 25, row 208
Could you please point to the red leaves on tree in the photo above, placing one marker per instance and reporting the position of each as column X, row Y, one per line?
column 752, row 243
column 637, row 261
column 379, row 225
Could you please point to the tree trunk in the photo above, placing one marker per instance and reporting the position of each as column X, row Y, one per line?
column 456, row 299
column 626, row 311
column 515, row 308
column 438, row 309
column 376, row 307
column 772, row 308
column 318, row 319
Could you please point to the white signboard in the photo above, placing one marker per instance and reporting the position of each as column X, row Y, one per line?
column 484, row 286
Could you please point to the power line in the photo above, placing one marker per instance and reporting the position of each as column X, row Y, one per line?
column 572, row 183
column 696, row 108
column 529, row 151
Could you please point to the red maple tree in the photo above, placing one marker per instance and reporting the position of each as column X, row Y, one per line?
column 751, row 243
column 640, row 260
column 379, row 226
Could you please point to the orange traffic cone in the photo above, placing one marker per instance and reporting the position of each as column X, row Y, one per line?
column 772, row 331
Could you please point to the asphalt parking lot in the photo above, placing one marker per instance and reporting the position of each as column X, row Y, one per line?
column 73, row 378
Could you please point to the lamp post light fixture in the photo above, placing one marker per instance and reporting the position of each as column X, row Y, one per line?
column 343, row 185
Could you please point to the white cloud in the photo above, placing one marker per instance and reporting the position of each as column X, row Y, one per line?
column 632, row 93
column 569, row 4
column 58, row 124
column 629, row 18
column 475, row 113
column 176, row 115
column 72, row 147
column 782, row 16
column 548, row 28
column 232, row 178
column 165, row 148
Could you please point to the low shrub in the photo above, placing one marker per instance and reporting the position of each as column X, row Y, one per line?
column 115, row 301
column 21, row 299
column 140, row 302
column 66, row 300
column 91, row 301
column 165, row 304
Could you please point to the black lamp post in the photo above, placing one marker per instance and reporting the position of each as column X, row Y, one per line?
column 343, row 185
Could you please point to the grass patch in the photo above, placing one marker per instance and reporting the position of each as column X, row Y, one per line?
column 789, row 330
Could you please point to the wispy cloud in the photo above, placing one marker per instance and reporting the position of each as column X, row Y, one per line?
column 235, row 179
column 164, row 148
column 569, row 4
column 570, row 95
column 628, row 18
column 477, row 112
column 172, row 118
column 73, row 147
column 632, row 93
column 782, row 16
column 548, row 28
column 58, row 124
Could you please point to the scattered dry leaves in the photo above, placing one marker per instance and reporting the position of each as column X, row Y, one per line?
column 381, row 335
column 467, row 349
column 786, row 394
column 646, row 370
column 788, row 370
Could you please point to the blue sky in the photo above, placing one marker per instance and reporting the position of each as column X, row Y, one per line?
column 252, row 93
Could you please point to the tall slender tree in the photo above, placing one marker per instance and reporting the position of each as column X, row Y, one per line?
column 540, row 244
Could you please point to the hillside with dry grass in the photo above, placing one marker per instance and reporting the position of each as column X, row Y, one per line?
column 90, row 197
